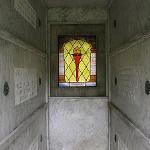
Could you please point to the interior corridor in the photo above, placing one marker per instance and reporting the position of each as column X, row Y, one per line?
column 74, row 75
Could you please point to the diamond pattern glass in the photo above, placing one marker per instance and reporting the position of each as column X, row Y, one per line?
column 77, row 60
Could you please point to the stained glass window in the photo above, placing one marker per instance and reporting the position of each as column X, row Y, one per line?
column 77, row 60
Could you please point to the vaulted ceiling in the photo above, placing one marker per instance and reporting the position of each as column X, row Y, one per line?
column 77, row 3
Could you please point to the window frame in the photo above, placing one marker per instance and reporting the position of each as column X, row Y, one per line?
column 76, row 35
column 97, row 30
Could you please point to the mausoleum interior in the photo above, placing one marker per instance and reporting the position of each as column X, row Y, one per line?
column 75, row 75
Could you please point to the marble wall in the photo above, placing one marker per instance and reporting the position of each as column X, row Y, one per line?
column 14, row 53
column 125, row 135
column 78, row 123
column 13, row 22
column 129, row 63
column 132, row 19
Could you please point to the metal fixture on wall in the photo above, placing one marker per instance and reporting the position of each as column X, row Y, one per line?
column 41, row 138
column 147, row 87
column 115, row 138
column 40, row 81
column 39, row 23
column 116, row 81
column 115, row 23
column 6, row 89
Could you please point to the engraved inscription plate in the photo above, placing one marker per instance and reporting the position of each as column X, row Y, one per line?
column 34, row 144
column 26, row 10
column 25, row 84
column 129, row 84
column 129, row 79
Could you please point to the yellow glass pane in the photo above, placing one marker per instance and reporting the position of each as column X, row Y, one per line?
column 77, row 50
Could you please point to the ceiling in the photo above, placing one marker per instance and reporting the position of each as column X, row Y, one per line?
column 76, row 3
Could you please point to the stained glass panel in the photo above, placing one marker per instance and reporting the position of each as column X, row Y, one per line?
column 77, row 61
